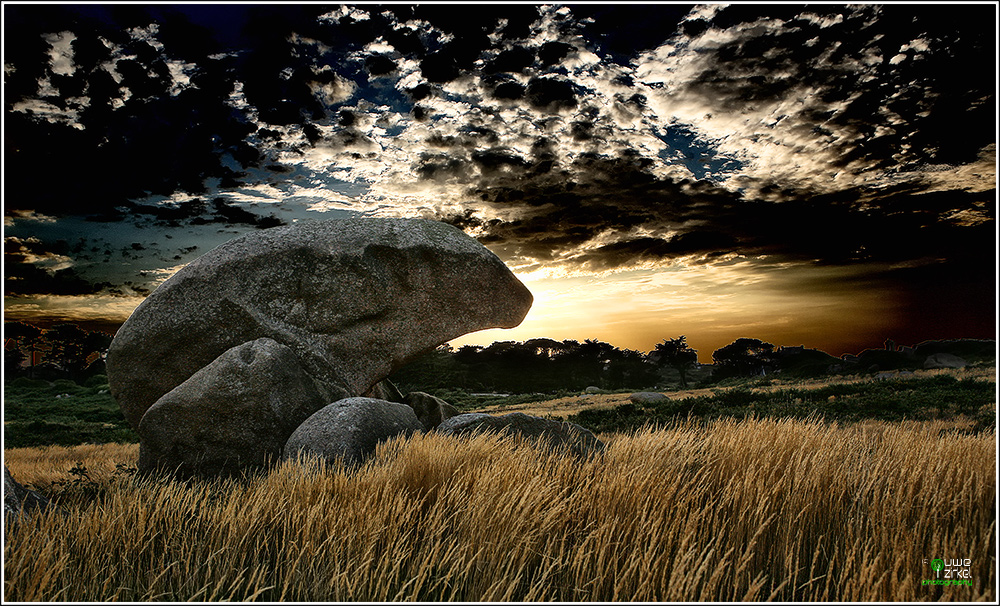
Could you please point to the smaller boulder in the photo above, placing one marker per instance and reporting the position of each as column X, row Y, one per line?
column 430, row 410
column 644, row 398
column 234, row 414
column 592, row 389
column 944, row 360
column 350, row 429
column 578, row 440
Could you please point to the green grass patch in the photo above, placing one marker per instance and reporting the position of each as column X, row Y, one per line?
column 62, row 412
column 940, row 397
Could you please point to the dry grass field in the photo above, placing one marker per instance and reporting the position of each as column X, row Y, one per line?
column 754, row 510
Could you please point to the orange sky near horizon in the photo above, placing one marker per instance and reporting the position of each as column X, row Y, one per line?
column 711, row 305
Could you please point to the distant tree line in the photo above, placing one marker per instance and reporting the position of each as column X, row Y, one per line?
column 62, row 351
column 536, row 365
column 546, row 365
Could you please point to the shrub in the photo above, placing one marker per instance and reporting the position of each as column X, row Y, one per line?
column 64, row 386
column 96, row 381
column 28, row 383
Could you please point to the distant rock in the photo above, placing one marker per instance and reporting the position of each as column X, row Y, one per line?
column 353, row 299
column 350, row 429
column 430, row 410
column 592, row 389
column 944, row 360
column 578, row 440
column 235, row 413
column 17, row 499
column 644, row 398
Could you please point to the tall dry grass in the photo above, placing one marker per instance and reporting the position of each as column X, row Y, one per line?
column 755, row 510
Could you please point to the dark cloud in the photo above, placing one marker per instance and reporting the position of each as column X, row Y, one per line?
column 621, row 32
column 514, row 60
column 35, row 267
column 594, row 137
column 551, row 93
column 27, row 279
column 551, row 53
column 379, row 65
column 888, row 102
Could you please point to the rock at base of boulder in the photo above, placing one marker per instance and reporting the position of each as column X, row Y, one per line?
column 431, row 411
column 18, row 499
column 578, row 440
column 351, row 429
column 944, row 360
column 385, row 390
column 232, row 415
column 644, row 398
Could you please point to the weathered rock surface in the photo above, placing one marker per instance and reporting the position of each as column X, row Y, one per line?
column 643, row 398
column 234, row 413
column 353, row 299
column 944, row 360
column 592, row 389
column 17, row 499
column 555, row 434
column 430, row 410
column 350, row 429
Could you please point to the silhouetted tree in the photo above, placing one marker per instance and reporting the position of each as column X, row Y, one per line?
column 743, row 357
column 676, row 354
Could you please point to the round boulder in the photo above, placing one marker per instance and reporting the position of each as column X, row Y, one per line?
column 350, row 429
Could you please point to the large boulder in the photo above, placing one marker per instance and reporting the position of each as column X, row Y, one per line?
column 235, row 413
column 429, row 409
column 350, row 430
column 354, row 299
column 17, row 499
column 577, row 440
column 944, row 360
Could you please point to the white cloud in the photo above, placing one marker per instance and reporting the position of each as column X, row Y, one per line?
column 345, row 11
column 180, row 74
column 61, row 53
column 25, row 215
column 824, row 21
column 49, row 112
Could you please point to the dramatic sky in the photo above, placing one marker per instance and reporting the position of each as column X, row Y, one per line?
column 804, row 174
